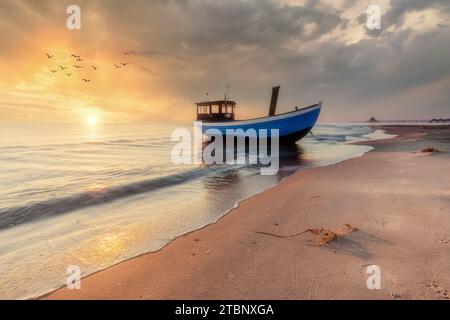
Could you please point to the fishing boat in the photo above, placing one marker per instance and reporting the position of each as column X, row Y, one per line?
column 292, row 125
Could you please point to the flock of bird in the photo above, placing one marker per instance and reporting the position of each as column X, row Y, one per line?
column 76, row 65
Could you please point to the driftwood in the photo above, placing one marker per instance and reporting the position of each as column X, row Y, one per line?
column 323, row 236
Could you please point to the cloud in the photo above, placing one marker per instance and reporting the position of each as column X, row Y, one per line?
column 400, row 8
column 182, row 49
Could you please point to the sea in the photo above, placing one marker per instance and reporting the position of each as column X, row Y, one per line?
column 92, row 196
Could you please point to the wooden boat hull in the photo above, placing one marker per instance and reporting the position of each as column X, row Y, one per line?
column 292, row 125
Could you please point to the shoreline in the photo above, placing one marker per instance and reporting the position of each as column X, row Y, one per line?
column 226, row 212
column 94, row 281
column 238, row 202
column 227, row 204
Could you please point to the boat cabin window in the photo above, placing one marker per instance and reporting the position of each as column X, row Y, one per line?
column 203, row 110
column 219, row 110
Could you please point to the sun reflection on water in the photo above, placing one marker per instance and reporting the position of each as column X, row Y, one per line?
column 97, row 188
column 110, row 247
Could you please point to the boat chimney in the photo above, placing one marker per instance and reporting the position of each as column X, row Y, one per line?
column 274, row 100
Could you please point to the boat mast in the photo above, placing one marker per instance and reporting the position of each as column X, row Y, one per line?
column 226, row 96
column 274, row 101
column 226, row 92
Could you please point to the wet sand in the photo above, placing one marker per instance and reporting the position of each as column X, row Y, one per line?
column 398, row 197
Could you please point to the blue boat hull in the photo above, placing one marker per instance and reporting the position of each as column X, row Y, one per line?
column 292, row 126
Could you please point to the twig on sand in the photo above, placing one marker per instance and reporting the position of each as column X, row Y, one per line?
column 282, row 236
column 323, row 236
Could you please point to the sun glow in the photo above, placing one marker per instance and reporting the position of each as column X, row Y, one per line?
column 91, row 119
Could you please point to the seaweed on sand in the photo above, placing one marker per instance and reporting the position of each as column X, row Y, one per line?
column 430, row 149
column 322, row 236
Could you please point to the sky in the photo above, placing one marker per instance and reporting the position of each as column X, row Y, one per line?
column 180, row 51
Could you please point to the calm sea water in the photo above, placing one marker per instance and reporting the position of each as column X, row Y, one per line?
column 95, row 196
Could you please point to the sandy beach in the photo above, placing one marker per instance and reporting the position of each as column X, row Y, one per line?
column 397, row 196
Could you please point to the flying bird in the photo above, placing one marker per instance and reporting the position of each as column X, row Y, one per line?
column 53, row 71
column 68, row 74
column 78, row 67
column 63, row 68
column 126, row 52
column 117, row 66
column 86, row 80
column 49, row 55
column 73, row 56
column 124, row 63
column 79, row 59
column 94, row 67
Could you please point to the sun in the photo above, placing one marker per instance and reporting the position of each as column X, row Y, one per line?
column 91, row 119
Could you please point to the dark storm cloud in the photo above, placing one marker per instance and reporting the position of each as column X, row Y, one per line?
column 245, row 43
column 395, row 16
column 399, row 8
column 400, row 62
column 210, row 26
column 263, row 23
column 197, row 46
